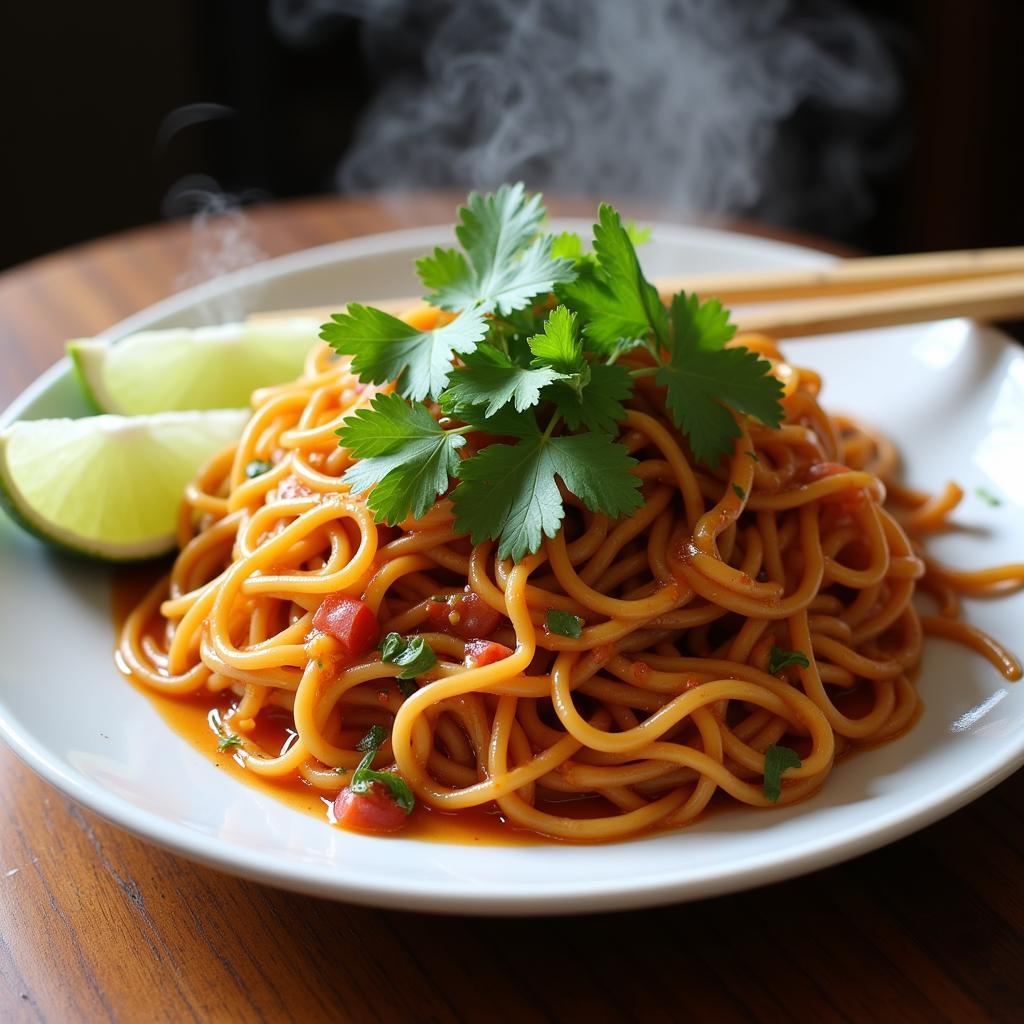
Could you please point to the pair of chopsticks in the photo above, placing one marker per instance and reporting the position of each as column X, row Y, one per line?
column 853, row 294
column 875, row 291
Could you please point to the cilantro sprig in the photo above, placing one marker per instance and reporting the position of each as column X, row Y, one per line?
column 532, row 362
column 364, row 776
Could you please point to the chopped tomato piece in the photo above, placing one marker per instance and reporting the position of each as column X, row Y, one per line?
column 485, row 652
column 466, row 615
column 349, row 621
column 372, row 811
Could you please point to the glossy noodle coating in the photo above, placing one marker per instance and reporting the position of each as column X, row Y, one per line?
column 800, row 543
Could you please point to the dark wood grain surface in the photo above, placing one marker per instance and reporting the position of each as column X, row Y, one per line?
column 96, row 925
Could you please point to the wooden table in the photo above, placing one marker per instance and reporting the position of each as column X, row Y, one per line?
column 96, row 925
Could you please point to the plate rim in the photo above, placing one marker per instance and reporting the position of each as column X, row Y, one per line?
column 446, row 896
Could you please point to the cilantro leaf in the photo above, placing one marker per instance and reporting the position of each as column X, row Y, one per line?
column 776, row 761
column 638, row 235
column 510, row 493
column 568, row 245
column 700, row 384
column 988, row 497
column 699, row 326
column 414, row 655
column 444, row 270
column 563, row 623
column 598, row 404
column 702, row 377
column 559, row 346
column 617, row 302
column 590, row 394
column 779, row 659
column 229, row 742
column 384, row 348
column 507, row 265
column 404, row 455
column 490, row 379
column 364, row 776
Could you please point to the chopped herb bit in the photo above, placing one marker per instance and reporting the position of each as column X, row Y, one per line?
column 563, row 623
column 779, row 659
column 776, row 761
column 988, row 497
column 754, row 455
column 373, row 740
column 257, row 468
column 414, row 655
column 229, row 741
column 320, row 664
column 740, row 493
column 406, row 687
column 364, row 776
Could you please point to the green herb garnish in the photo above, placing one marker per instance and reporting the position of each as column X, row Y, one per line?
column 779, row 659
column 364, row 776
column 563, row 623
column 739, row 492
column 506, row 263
column 257, row 468
column 988, row 497
column 414, row 654
column 404, row 455
column 229, row 742
column 776, row 761
column 542, row 374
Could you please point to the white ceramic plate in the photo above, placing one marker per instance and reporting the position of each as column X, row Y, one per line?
column 951, row 394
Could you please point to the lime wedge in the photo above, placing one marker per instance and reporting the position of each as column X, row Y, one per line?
column 107, row 486
column 201, row 368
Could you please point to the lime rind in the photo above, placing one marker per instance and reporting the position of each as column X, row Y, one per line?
column 215, row 367
column 78, row 370
column 108, row 487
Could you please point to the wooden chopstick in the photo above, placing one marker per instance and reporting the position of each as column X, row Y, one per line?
column 984, row 298
column 863, row 274
column 877, row 291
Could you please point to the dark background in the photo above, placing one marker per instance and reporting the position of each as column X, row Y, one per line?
column 87, row 88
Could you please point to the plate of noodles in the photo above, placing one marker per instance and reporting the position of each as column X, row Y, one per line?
column 584, row 613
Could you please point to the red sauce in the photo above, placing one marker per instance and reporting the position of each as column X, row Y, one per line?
column 189, row 717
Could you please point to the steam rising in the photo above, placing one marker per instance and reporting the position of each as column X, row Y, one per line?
column 222, row 239
column 681, row 102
